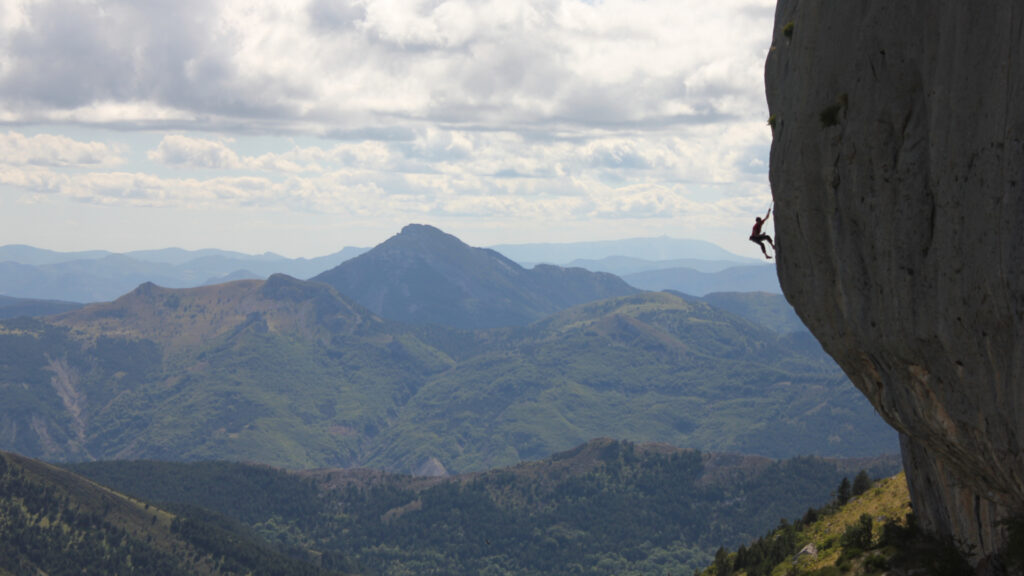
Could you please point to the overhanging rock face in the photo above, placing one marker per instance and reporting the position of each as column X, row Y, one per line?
column 897, row 169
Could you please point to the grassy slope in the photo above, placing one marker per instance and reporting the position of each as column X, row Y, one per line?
column 887, row 501
column 824, row 546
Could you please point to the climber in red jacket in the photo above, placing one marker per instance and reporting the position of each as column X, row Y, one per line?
column 758, row 237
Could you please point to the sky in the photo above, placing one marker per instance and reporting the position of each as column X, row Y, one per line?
column 304, row 126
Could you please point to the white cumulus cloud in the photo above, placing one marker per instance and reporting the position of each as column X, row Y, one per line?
column 54, row 150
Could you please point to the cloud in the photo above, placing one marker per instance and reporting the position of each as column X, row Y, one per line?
column 54, row 150
column 441, row 162
column 376, row 64
column 327, row 16
column 142, row 189
column 343, row 184
column 529, row 110
column 176, row 149
column 72, row 54
column 190, row 152
column 620, row 153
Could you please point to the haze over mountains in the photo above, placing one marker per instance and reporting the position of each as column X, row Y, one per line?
column 14, row 307
column 689, row 266
column 99, row 276
column 651, row 249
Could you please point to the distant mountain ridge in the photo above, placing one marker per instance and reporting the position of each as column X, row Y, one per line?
column 425, row 276
column 756, row 278
column 662, row 248
column 24, row 254
column 15, row 307
column 623, row 265
column 101, row 276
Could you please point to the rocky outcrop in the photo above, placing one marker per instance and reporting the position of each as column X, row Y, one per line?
column 897, row 169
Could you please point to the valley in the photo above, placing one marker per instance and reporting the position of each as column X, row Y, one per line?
column 442, row 408
column 604, row 507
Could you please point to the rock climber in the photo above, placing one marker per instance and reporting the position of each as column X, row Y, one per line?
column 758, row 237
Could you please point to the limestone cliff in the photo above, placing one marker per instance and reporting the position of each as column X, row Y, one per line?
column 897, row 169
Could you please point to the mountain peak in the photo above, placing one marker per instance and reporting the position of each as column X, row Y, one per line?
column 423, row 238
column 425, row 276
column 421, row 230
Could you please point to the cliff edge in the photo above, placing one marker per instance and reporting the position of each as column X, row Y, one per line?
column 897, row 169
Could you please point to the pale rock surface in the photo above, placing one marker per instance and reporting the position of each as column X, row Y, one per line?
column 431, row 467
column 809, row 550
column 900, row 234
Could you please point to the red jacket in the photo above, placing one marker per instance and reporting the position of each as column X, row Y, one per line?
column 757, row 228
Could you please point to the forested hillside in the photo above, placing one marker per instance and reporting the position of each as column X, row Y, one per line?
column 291, row 373
column 54, row 522
column 606, row 507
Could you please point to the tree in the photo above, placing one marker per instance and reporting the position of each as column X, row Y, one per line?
column 723, row 567
column 810, row 517
column 843, row 493
column 862, row 483
column 859, row 535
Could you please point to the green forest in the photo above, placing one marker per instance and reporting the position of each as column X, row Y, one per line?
column 606, row 507
column 56, row 523
column 306, row 380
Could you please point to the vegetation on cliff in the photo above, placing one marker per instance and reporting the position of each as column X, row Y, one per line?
column 865, row 530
